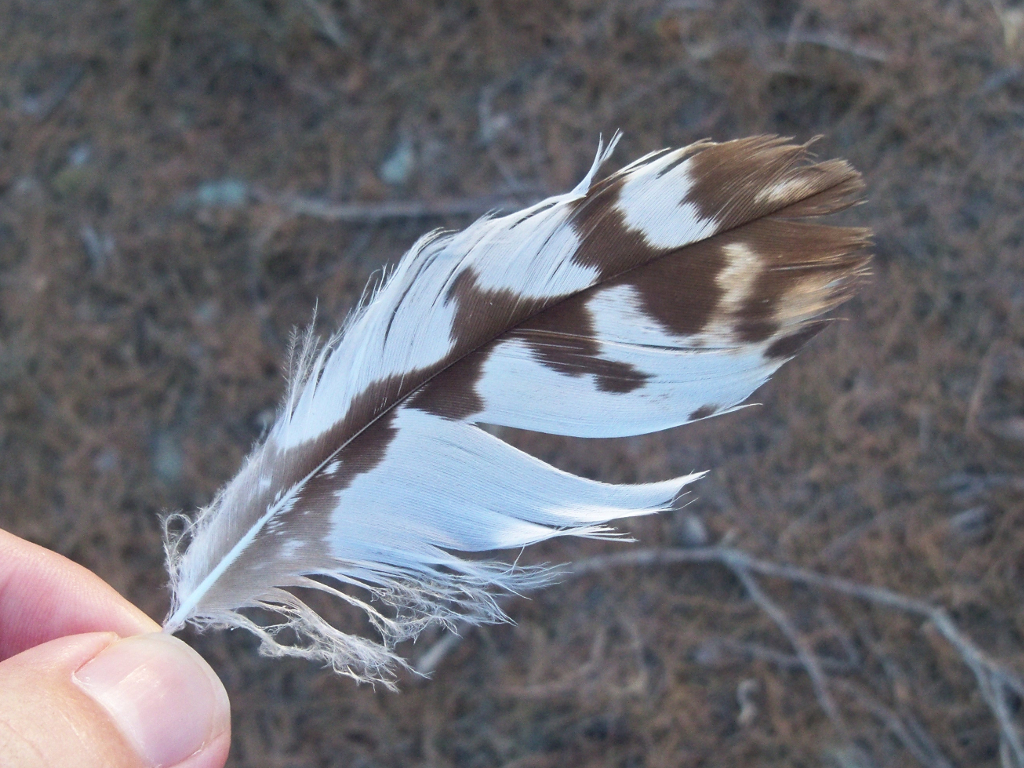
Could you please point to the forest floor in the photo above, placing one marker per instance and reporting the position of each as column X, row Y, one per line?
column 183, row 181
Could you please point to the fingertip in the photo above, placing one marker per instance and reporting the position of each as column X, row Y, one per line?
column 164, row 699
column 47, row 597
column 212, row 755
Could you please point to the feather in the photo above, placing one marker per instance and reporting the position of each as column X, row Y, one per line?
column 665, row 293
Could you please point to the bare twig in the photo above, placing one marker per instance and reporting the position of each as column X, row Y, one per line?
column 756, row 652
column 808, row 659
column 363, row 213
column 329, row 26
column 909, row 733
column 568, row 683
column 995, row 682
column 427, row 663
column 907, row 730
column 834, row 42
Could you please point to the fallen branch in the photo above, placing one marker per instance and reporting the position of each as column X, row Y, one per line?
column 994, row 681
column 907, row 731
column 804, row 652
column 835, row 42
column 329, row 26
column 746, row 651
column 427, row 663
column 369, row 213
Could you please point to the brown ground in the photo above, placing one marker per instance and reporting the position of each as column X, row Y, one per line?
column 146, row 308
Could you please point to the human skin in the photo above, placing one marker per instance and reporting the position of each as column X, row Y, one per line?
column 88, row 680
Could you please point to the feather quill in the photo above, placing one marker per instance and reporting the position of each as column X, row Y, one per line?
column 662, row 294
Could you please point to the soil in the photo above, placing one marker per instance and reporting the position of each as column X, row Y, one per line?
column 153, row 266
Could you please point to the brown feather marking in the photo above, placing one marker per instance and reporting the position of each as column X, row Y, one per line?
column 563, row 338
column 605, row 242
column 318, row 494
column 680, row 291
column 733, row 181
column 844, row 193
column 480, row 315
column 787, row 346
column 365, row 452
column 703, row 412
column 808, row 269
column 452, row 394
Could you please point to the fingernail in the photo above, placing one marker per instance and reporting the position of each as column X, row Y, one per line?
column 160, row 693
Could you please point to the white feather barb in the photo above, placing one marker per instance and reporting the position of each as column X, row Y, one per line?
column 665, row 293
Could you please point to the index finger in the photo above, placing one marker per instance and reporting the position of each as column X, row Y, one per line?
column 44, row 596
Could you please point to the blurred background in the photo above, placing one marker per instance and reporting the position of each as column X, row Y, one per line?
column 183, row 181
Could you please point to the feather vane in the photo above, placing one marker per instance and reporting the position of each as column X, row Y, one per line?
column 662, row 294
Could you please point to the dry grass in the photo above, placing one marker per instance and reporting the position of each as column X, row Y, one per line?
column 145, row 307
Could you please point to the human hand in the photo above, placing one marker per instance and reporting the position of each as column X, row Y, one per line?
column 87, row 680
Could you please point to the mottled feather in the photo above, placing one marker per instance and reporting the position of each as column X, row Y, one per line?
column 664, row 293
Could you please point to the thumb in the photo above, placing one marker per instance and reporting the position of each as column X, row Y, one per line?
column 95, row 701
